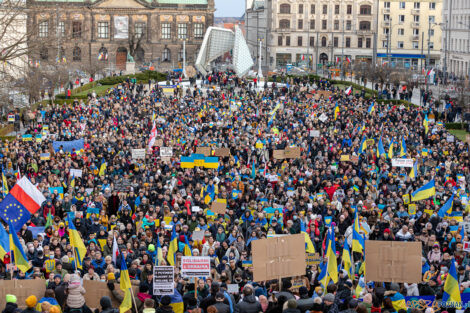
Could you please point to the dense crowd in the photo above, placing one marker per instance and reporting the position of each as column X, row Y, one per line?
column 142, row 202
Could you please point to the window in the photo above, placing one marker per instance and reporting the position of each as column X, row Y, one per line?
column 401, row 19
column 312, row 41
column 61, row 28
column 44, row 29
column 365, row 10
column 283, row 24
column 364, row 25
column 349, row 9
column 44, row 54
column 312, row 9
column 384, row 44
column 180, row 55
column 288, row 41
column 348, row 25
column 337, row 9
column 300, row 24
column 359, row 42
column 301, row 8
column 285, row 8
column 139, row 29
column 166, row 55
column 416, row 5
column 198, row 30
column 279, row 40
column 325, row 9
column 431, row 32
column 368, row 41
column 387, row 17
column 416, row 18
column 312, row 24
column 400, row 45
column 166, row 31
column 415, row 31
column 182, row 31
column 431, row 45
column 299, row 41
column 432, row 5
column 77, row 54
column 387, row 5
column 323, row 24
column 348, row 42
column 335, row 42
column 103, row 54
column 323, row 41
column 386, row 31
column 432, row 19
column 103, row 29
column 402, row 5
column 76, row 29
column 415, row 44
column 336, row 25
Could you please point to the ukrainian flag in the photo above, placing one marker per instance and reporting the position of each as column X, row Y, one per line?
column 211, row 162
column 425, row 192
column 451, row 287
column 358, row 240
column 4, row 243
column 18, row 257
column 347, row 260
column 125, row 285
column 363, row 145
column 159, row 253
column 236, row 193
column 72, row 183
column 426, row 125
column 187, row 162
column 309, row 248
column 371, row 108
column 336, row 111
column 398, row 301
column 402, row 147
column 332, row 266
column 446, row 209
column 4, row 185
column 380, row 148
column 177, row 302
column 390, row 150
column 198, row 159
column 323, row 277
column 77, row 243
column 172, row 249
column 187, row 247
column 414, row 170
column 102, row 169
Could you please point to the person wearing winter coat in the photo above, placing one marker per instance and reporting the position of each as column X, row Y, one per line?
column 31, row 303
column 139, row 299
column 106, row 305
column 305, row 302
column 291, row 306
column 219, row 303
column 248, row 304
column 11, row 306
column 330, row 305
column 165, row 306
column 75, row 292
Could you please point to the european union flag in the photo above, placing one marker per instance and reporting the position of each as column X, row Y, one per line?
column 13, row 211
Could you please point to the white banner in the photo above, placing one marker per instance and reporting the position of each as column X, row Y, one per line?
column 195, row 266
column 166, row 152
column 402, row 162
column 121, row 26
column 163, row 280
column 138, row 154
column 314, row 133
column 75, row 172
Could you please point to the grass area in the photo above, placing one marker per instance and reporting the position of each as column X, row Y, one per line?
column 459, row 133
column 100, row 90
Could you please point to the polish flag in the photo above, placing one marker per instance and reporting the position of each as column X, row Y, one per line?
column 348, row 91
column 27, row 194
column 348, row 60
column 430, row 72
column 153, row 135
column 337, row 59
column 115, row 250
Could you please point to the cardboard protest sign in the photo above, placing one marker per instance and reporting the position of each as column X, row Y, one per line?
column 203, row 150
column 218, row 207
column 278, row 257
column 292, row 153
column 313, row 258
column 393, row 261
column 370, row 142
column 354, row 159
column 344, row 158
column 198, row 235
column 166, row 151
column 222, row 152
column 22, row 289
column 163, row 280
column 324, row 93
column 138, row 154
column 158, row 143
column 278, row 154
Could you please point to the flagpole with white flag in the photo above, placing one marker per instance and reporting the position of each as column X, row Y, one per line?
column 115, row 250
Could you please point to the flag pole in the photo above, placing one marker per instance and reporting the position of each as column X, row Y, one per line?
column 133, row 299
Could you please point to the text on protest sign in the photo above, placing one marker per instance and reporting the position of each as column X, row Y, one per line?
column 138, row 154
column 195, row 266
column 402, row 162
column 163, row 278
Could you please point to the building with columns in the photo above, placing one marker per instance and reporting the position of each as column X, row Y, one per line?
column 79, row 31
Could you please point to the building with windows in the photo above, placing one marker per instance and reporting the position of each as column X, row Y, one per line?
column 79, row 31
column 410, row 33
column 456, row 38
column 310, row 32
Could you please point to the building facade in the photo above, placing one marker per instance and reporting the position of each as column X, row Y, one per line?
column 410, row 33
column 78, row 31
column 313, row 32
column 456, row 38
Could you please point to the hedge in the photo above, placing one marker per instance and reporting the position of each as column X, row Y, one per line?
column 461, row 126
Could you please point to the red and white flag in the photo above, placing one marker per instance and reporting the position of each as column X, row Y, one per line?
column 115, row 250
column 348, row 60
column 27, row 194
column 153, row 136
column 430, row 72
column 348, row 91
column 338, row 60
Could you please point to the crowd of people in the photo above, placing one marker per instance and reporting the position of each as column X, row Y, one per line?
column 143, row 203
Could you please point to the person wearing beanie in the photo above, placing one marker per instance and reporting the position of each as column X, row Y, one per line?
column 286, row 285
column 30, row 302
column 304, row 302
column 165, row 306
column 139, row 299
column 248, row 304
column 219, row 303
column 49, row 297
column 11, row 306
column 351, row 306
column 75, row 291
column 106, row 305
column 60, row 292
column 330, row 305
column 291, row 306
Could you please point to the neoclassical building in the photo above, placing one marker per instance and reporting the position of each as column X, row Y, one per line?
column 80, row 31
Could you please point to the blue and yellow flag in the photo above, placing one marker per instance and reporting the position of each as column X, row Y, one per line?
column 72, row 182
column 125, row 286
column 172, row 248
column 414, row 170
column 309, row 248
column 358, row 240
column 347, row 260
column 187, row 162
column 363, row 145
column 18, row 257
column 332, row 266
column 4, row 243
column 211, row 162
column 336, row 111
column 323, row 276
column 4, row 185
column 103, row 169
column 177, row 302
column 425, row 192
column 371, row 108
column 390, row 150
column 159, row 258
column 446, row 209
column 426, row 125
column 380, row 148
column 402, row 147
column 451, row 288
column 398, row 302
column 187, row 247
column 77, row 243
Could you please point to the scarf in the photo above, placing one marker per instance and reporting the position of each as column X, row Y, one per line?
column 142, row 296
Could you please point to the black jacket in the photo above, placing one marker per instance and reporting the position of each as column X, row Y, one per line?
column 304, row 304
column 165, row 309
column 222, row 307
column 291, row 311
column 248, row 305
column 11, row 308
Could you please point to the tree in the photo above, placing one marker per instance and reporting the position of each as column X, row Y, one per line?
column 135, row 39
column 93, row 67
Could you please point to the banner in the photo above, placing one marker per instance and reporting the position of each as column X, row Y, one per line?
column 166, row 152
column 68, row 146
column 402, row 162
column 75, row 172
column 196, row 266
column 121, row 26
column 163, row 280
column 138, row 154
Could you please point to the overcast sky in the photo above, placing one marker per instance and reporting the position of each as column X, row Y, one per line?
column 229, row 8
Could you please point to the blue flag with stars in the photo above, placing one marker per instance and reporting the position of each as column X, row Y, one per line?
column 13, row 211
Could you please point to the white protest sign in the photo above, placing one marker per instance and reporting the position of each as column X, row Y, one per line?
column 402, row 162
column 166, row 151
column 138, row 154
column 196, row 266
column 75, row 172
column 323, row 117
column 195, row 209
column 233, row 288
column 450, row 138
column 314, row 133
column 466, row 246
column 163, row 280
